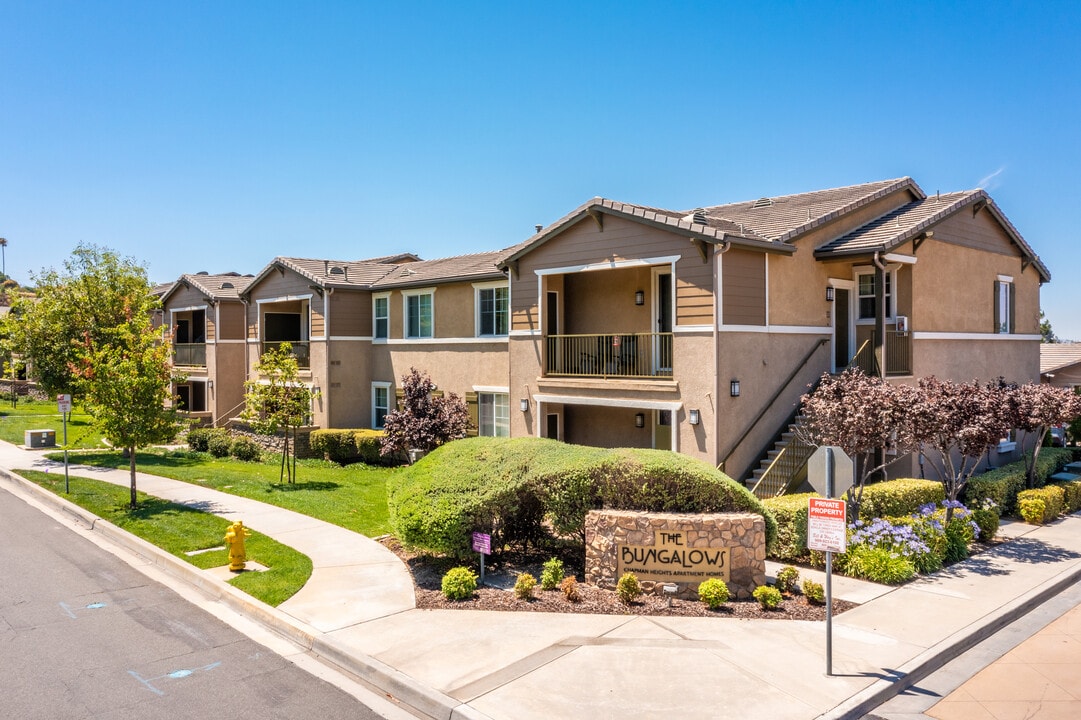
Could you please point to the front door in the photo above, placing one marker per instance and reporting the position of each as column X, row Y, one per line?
column 662, row 346
column 662, row 429
column 843, row 335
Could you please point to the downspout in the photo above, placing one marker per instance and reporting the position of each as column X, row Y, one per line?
column 718, row 251
column 880, row 314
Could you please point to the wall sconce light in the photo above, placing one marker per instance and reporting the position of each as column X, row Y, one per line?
column 639, row 297
column 696, row 417
column 829, row 293
column 210, row 384
column 733, row 388
column 524, row 404
column 639, row 420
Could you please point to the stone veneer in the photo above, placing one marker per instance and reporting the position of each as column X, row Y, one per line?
column 744, row 534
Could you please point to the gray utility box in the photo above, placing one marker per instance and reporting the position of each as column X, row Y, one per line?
column 39, row 438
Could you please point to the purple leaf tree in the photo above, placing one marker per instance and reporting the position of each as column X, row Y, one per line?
column 424, row 420
column 1034, row 408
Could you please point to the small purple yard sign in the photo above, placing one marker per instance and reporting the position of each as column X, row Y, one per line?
column 482, row 543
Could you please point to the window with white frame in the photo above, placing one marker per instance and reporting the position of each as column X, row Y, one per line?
column 419, row 314
column 380, row 403
column 493, row 310
column 865, row 287
column 1004, row 304
column 381, row 317
column 493, row 414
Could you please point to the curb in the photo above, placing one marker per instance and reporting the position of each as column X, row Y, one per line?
column 409, row 691
column 938, row 655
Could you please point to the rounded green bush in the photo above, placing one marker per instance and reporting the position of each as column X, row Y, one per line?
column 552, row 574
column 523, row 586
column 768, row 597
column 628, row 588
column 786, row 579
column 988, row 520
column 879, row 564
column 198, row 439
column 244, row 448
column 713, row 592
column 219, row 444
column 459, row 584
column 814, row 592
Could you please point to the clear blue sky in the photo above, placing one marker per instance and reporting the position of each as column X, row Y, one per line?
column 216, row 135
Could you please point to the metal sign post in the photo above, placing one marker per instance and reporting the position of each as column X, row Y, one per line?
column 829, row 470
column 63, row 403
column 482, row 544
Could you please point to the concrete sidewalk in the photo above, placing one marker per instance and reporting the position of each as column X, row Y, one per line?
column 357, row 610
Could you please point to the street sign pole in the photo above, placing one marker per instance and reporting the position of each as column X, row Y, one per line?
column 829, row 571
column 63, row 404
column 830, row 472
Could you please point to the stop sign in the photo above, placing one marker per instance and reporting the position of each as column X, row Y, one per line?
column 842, row 470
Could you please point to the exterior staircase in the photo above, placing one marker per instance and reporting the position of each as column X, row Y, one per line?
column 785, row 466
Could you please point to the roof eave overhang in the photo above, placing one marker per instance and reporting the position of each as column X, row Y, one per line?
column 425, row 282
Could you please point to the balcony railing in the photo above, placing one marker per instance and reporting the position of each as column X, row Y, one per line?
column 626, row 355
column 300, row 351
column 189, row 354
column 898, row 355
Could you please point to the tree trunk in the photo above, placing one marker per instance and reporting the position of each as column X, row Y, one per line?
column 131, row 463
column 285, row 452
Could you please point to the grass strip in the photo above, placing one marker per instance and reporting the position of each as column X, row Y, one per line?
column 37, row 415
column 353, row 497
column 178, row 530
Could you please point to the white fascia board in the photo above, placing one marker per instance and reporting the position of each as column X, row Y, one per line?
column 610, row 265
column 608, row 402
column 973, row 336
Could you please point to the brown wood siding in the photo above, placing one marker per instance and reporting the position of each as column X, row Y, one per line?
column 981, row 232
column 277, row 284
column 621, row 239
column 744, row 287
column 185, row 297
column 350, row 314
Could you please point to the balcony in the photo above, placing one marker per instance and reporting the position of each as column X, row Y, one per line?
column 300, row 351
column 898, row 355
column 627, row 355
column 189, row 354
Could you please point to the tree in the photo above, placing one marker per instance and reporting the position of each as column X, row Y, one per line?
column 89, row 300
column 1046, row 333
column 277, row 401
column 865, row 416
column 955, row 424
column 1034, row 408
column 424, row 421
column 125, row 383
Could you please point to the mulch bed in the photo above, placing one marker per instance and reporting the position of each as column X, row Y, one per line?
column 428, row 572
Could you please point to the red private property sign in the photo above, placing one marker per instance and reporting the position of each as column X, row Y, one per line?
column 826, row 526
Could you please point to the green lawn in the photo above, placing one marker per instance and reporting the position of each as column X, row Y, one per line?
column 38, row 415
column 179, row 530
column 353, row 497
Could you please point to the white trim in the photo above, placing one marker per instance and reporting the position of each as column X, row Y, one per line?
column 765, row 262
column 204, row 307
column 227, row 342
column 859, row 270
column 610, row 265
column 495, row 339
column 491, row 389
column 899, row 258
column 346, row 338
column 389, row 387
column 779, row 329
column 689, row 329
column 971, row 336
column 284, row 298
column 1004, row 278
column 477, row 289
column 492, row 284
column 380, row 296
column 416, row 292
column 846, row 315
column 526, row 333
column 608, row 402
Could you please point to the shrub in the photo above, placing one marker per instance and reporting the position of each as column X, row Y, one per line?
column 880, row 565
column 768, row 597
column 351, row 445
column 516, row 484
column 628, row 588
column 786, row 579
column 552, row 574
column 713, row 592
column 198, row 439
column 219, row 443
column 814, row 592
column 791, row 514
column 569, row 586
column 1042, row 505
column 985, row 515
column 1072, row 493
column 896, row 498
column 245, row 448
column 459, row 584
column 523, row 586
column 904, row 538
column 1003, row 484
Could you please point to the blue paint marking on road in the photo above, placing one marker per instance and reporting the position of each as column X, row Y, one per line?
column 174, row 675
column 67, row 610
column 71, row 613
column 95, row 606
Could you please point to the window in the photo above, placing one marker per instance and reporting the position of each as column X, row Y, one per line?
column 380, row 403
column 493, row 310
column 866, row 285
column 418, row 314
column 494, row 414
column 1004, row 304
column 381, row 317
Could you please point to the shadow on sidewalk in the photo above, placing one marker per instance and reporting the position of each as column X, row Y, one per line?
column 1020, row 550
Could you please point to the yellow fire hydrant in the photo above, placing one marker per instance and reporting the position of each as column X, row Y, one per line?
column 234, row 540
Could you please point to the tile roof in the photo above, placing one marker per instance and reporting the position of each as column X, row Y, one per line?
column 478, row 266
column 901, row 225
column 336, row 273
column 1058, row 355
column 226, row 286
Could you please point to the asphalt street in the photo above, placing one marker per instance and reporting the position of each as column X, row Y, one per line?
column 84, row 635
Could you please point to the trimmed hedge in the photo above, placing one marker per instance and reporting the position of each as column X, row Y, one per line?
column 1003, row 484
column 510, row 486
column 1072, row 493
column 791, row 514
column 897, row 498
column 351, row 445
column 1041, row 505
